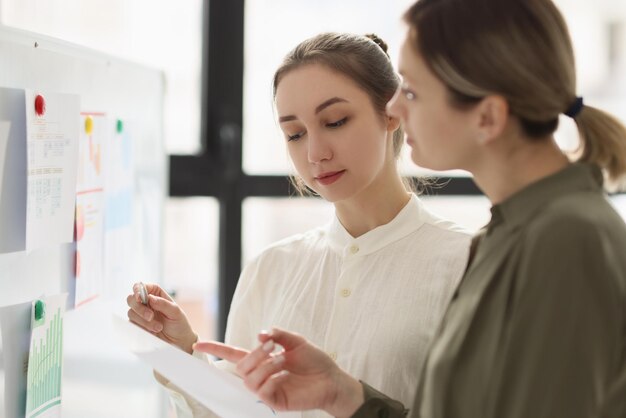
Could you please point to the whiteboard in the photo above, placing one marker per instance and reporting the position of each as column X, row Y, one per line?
column 96, row 367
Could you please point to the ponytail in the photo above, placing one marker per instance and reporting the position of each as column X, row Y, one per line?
column 603, row 142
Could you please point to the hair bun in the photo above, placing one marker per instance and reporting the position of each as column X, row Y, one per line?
column 382, row 44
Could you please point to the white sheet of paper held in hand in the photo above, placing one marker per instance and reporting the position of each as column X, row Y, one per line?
column 220, row 391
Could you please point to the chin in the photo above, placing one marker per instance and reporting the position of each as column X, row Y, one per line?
column 330, row 197
column 334, row 196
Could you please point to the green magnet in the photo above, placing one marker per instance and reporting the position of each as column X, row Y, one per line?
column 40, row 310
column 120, row 126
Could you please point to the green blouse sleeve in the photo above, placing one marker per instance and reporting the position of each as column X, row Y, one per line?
column 377, row 405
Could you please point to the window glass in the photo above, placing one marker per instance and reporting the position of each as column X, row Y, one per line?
column 619, row 202
column 190, row 264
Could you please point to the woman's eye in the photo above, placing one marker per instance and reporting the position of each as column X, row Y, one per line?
column 295, row 137
column 337, row 124
column 408, row 94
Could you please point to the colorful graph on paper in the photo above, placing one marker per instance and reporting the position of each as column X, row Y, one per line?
column 45, row 362
column 90, row 205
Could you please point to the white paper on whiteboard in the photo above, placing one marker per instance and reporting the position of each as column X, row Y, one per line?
column 52, row 144
column 15, row 329
column 220, row 391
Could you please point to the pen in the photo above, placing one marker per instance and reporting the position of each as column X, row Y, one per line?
column 143, row 293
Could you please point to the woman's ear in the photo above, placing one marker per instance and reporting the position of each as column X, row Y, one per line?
column 493, row 114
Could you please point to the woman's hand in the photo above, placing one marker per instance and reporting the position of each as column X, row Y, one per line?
column 161, row 316
column 296, row 378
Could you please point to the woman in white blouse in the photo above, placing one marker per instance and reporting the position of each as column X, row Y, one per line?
column 371, row 286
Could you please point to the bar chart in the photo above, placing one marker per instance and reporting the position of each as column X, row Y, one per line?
column 45, row 367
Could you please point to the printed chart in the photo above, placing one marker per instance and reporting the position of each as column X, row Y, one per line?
column 45, row 362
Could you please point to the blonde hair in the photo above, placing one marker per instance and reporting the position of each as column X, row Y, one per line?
column 363, row 59
column 521, row 50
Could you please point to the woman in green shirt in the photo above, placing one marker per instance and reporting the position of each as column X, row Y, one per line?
column 537, row 327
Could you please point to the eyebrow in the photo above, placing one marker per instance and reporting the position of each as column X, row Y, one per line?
column 318, row 109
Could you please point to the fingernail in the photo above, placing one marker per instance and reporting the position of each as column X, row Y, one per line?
column 193, row 346
column 148, row 315
column 157, row 327
column 278, row 359
column 268, row 347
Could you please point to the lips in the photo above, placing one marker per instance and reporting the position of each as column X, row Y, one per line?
column 329, row 177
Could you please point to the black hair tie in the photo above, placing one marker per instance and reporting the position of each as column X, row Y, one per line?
column 575, row 108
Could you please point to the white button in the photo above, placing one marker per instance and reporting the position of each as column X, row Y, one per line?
column 333, row 355
column 354, row 249
column 345, row 292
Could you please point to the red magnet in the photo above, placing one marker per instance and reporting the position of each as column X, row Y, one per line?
column 40, row 105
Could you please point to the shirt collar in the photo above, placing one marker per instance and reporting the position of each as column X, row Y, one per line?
column 409, row 219
column 522, row 206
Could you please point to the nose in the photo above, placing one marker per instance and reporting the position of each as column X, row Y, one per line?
column 318, row 148
column 393, row 105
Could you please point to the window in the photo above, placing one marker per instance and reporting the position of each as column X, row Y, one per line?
column 190, row 259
